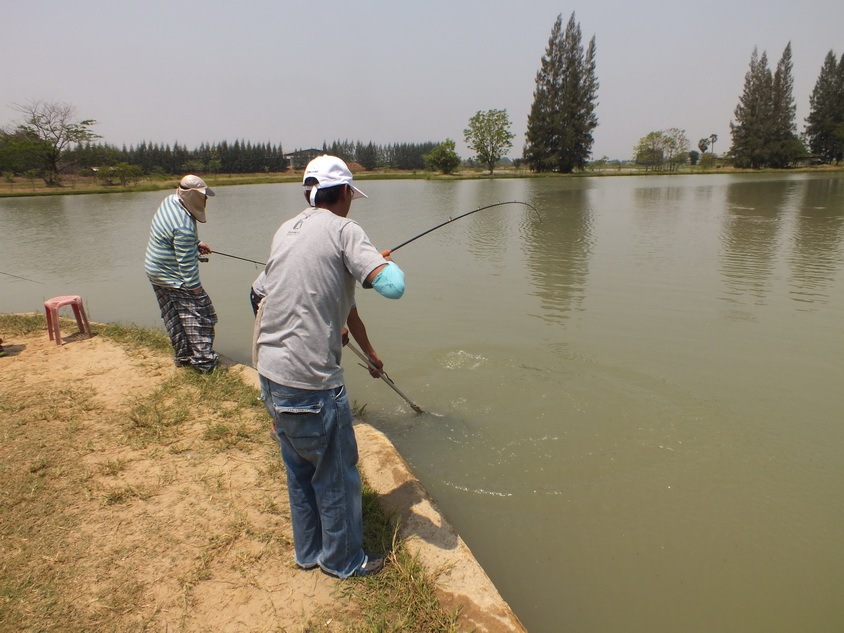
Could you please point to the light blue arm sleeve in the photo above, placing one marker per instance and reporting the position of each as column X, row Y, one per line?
column 390, row 281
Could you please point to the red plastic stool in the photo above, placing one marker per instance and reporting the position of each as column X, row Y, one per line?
column 52, row 307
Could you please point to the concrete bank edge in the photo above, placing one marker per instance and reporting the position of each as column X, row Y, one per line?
column 461, row 581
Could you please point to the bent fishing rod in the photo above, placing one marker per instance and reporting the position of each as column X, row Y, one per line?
column 413, row 239
column 371, row 366
column 463, row 215
column 351, row 346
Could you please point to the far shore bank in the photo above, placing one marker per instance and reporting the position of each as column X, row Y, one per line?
column 85, row 185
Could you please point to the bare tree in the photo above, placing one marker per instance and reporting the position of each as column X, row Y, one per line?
column 54, row 127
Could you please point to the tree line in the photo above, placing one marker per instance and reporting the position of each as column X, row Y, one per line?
column 763, row 130
column 49, row 142
column 559, row 137
column 402, row 156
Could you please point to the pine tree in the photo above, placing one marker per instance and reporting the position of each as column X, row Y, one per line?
column 764, row 130
column 753, row 114
column 540, row 129
column 366, row 155
column 784, row 144
column 562, row 117
column 825, row 123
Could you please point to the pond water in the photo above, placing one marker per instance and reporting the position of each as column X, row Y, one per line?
column 637, row 407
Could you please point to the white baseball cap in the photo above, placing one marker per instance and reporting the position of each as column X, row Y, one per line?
column 329, row 171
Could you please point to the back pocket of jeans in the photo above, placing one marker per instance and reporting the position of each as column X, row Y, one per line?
column 302, row 424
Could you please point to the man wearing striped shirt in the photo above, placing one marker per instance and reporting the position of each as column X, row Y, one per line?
column 172, row 265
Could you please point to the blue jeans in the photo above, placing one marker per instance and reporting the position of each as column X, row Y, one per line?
column 320, row 453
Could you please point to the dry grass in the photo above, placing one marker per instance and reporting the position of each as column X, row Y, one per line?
column 166, row 510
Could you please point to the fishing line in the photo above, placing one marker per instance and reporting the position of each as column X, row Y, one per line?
column 24, row 278
column 463, row 215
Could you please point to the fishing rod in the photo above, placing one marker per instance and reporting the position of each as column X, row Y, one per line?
column 412, row 239
column 24, row 278
column 463, row 215
column 384, row 377
column 240, row 258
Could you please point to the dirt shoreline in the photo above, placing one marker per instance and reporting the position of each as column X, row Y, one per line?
column 271, row 594
column 461, row 581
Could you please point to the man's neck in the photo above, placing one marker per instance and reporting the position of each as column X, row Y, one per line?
column 339, row 209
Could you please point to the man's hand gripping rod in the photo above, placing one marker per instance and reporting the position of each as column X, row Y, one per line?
column 384, row 377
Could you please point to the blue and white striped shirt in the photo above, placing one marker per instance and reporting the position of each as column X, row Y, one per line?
column 172, row 257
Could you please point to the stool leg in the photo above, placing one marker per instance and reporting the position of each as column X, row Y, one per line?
column 49, row 322
column 87, row 325
column 57, row 329
column 81, row 319
column 78, row 317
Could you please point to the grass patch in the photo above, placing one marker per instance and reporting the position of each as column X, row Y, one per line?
column 124, row 493
column 134, row 337
column 402, row 598
column 43, row 480
column 113, row 467
column 229, row 435
column 131, row 336
column 157, row 417
column 22, row 324
column 359, row 410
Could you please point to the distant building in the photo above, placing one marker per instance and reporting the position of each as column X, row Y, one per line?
column 809, row 159
column 301, row 157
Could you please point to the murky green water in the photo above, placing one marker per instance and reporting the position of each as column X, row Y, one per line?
column 639, row 408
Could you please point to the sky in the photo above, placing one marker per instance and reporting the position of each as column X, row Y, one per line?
column 298, row 74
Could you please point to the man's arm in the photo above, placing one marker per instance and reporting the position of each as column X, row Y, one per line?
column 387, row 279
column 186, row 249
column 358, row 331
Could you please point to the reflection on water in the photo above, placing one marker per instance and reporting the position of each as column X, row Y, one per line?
column 557, row 249
column 816, row 241
column 804, row 218
column 749, row 237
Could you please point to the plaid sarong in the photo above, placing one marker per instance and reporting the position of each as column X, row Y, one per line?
column 189, row 320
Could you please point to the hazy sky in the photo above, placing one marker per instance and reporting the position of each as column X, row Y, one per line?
column 300, row 73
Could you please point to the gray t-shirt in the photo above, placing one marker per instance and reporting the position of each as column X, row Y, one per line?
column 310, row 279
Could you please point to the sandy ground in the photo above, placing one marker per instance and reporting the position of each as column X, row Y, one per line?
column 203, row 534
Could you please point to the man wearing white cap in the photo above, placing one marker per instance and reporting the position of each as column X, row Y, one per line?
column 309, row 287
column 172, row 266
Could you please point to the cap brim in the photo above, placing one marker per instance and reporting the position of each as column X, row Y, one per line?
column 209, row 192
column 358, row 193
